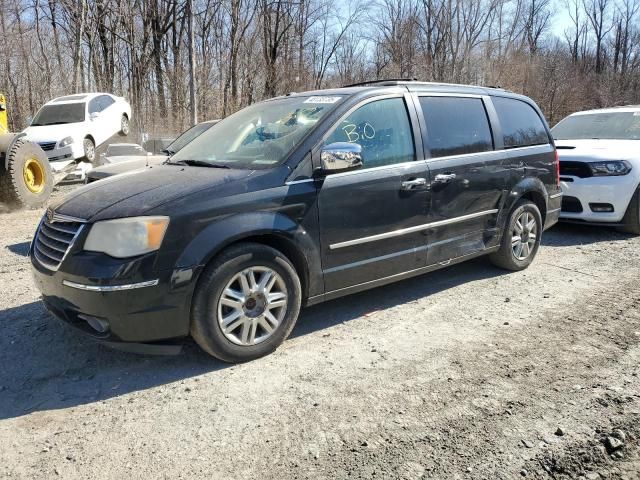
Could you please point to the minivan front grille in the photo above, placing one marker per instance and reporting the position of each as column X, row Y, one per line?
column 575, row 169
column 53, row 241
column 46, row 146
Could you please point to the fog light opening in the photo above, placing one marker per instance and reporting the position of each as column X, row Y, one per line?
column 98, row 324
column 601, row 207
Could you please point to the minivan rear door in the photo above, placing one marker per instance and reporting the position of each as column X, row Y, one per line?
column 469, row 176
column 372, row 219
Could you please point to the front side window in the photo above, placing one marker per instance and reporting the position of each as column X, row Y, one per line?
column 105, row 102
column 59, row 114
column 521, row 125
column 608, row 125
column 94, row 105
column 456, row 125
column 382, row 129
column 259, row 136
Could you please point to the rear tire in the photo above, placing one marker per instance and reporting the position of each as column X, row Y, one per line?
column 89, row 148
column 631, row 219
column 521, row 238
column 125, row 127
column 229, row 317
column 28, row 181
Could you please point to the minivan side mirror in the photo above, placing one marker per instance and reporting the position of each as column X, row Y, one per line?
column 94, row 116
column 341, row 157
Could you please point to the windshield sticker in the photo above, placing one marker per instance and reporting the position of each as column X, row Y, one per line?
column 322, row 100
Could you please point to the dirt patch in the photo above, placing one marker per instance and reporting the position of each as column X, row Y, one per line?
column 469, row 372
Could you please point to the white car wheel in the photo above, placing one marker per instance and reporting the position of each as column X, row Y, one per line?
column 124, row 126
column 89, row 149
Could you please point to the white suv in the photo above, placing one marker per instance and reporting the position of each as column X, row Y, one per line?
column 70, row 128
column 600, row 166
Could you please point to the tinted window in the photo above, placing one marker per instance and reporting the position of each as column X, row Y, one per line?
column 383, row 130
column 456, row 126
column 521, row 125
column 610, row 125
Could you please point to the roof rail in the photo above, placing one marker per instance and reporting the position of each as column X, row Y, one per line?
column 382, row 81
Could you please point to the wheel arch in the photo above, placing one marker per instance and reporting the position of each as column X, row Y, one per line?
column 532, row 189
column 273, row 229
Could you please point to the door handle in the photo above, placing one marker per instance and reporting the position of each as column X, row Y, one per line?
column 413, row 184
column 444, row 178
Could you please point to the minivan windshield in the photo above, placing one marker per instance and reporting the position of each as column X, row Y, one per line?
column 609, row 125
column 259, row 136
column 188, row 136
column 59, row 114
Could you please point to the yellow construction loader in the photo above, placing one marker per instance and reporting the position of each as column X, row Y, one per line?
column 25, row 174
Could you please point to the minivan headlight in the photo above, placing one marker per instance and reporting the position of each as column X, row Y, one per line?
column 66, row 141
column 610, row 168
column 127, row 237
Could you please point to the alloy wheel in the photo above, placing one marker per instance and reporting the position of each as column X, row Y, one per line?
column 524, row 235
column 124, row 125
column 89, row 149
column 252, row 305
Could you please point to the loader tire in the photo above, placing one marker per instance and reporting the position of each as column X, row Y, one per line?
column 25, row 179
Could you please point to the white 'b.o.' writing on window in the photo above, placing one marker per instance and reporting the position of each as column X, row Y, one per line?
column 359, row 132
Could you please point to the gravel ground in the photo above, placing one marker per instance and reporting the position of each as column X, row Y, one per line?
column 469, row 372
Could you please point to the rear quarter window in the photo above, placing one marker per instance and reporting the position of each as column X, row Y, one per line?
column 456, row 126
column 521, row 124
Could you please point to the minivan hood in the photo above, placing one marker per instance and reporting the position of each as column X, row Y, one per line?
column 50, row 133
column 135, row 194
column 595, row 150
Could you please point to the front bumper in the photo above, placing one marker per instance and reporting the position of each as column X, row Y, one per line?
column 62, row 154
column 615, row 191
column 119, row 302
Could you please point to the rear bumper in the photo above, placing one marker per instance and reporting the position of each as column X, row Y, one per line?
column 582, row 193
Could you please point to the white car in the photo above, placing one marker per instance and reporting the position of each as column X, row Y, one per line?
column 599, row 154
column 70, row 128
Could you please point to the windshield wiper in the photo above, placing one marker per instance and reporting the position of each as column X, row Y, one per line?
column 198, row 163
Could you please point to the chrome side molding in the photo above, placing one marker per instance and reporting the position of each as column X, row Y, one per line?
column 406, row 231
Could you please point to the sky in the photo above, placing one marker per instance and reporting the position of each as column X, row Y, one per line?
column 560, row 19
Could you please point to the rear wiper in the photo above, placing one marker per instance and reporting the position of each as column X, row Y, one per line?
column 198, row 163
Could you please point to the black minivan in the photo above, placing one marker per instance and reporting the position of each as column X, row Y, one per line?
column 297, row 200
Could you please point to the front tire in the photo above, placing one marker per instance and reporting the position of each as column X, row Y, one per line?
column 89, row 148
column 246, row 303
column 521, row 238
column 28, row 181
column 631, row 219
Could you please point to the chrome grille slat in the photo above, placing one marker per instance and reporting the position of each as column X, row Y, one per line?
column 46, row 262
column 49, row 255
column 55, row 234
column 61, row 228
column 53, row 241
column 46, row 146
column 49, row 243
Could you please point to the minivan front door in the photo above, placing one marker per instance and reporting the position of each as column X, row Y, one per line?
column 468, row 176
column 371, row 218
